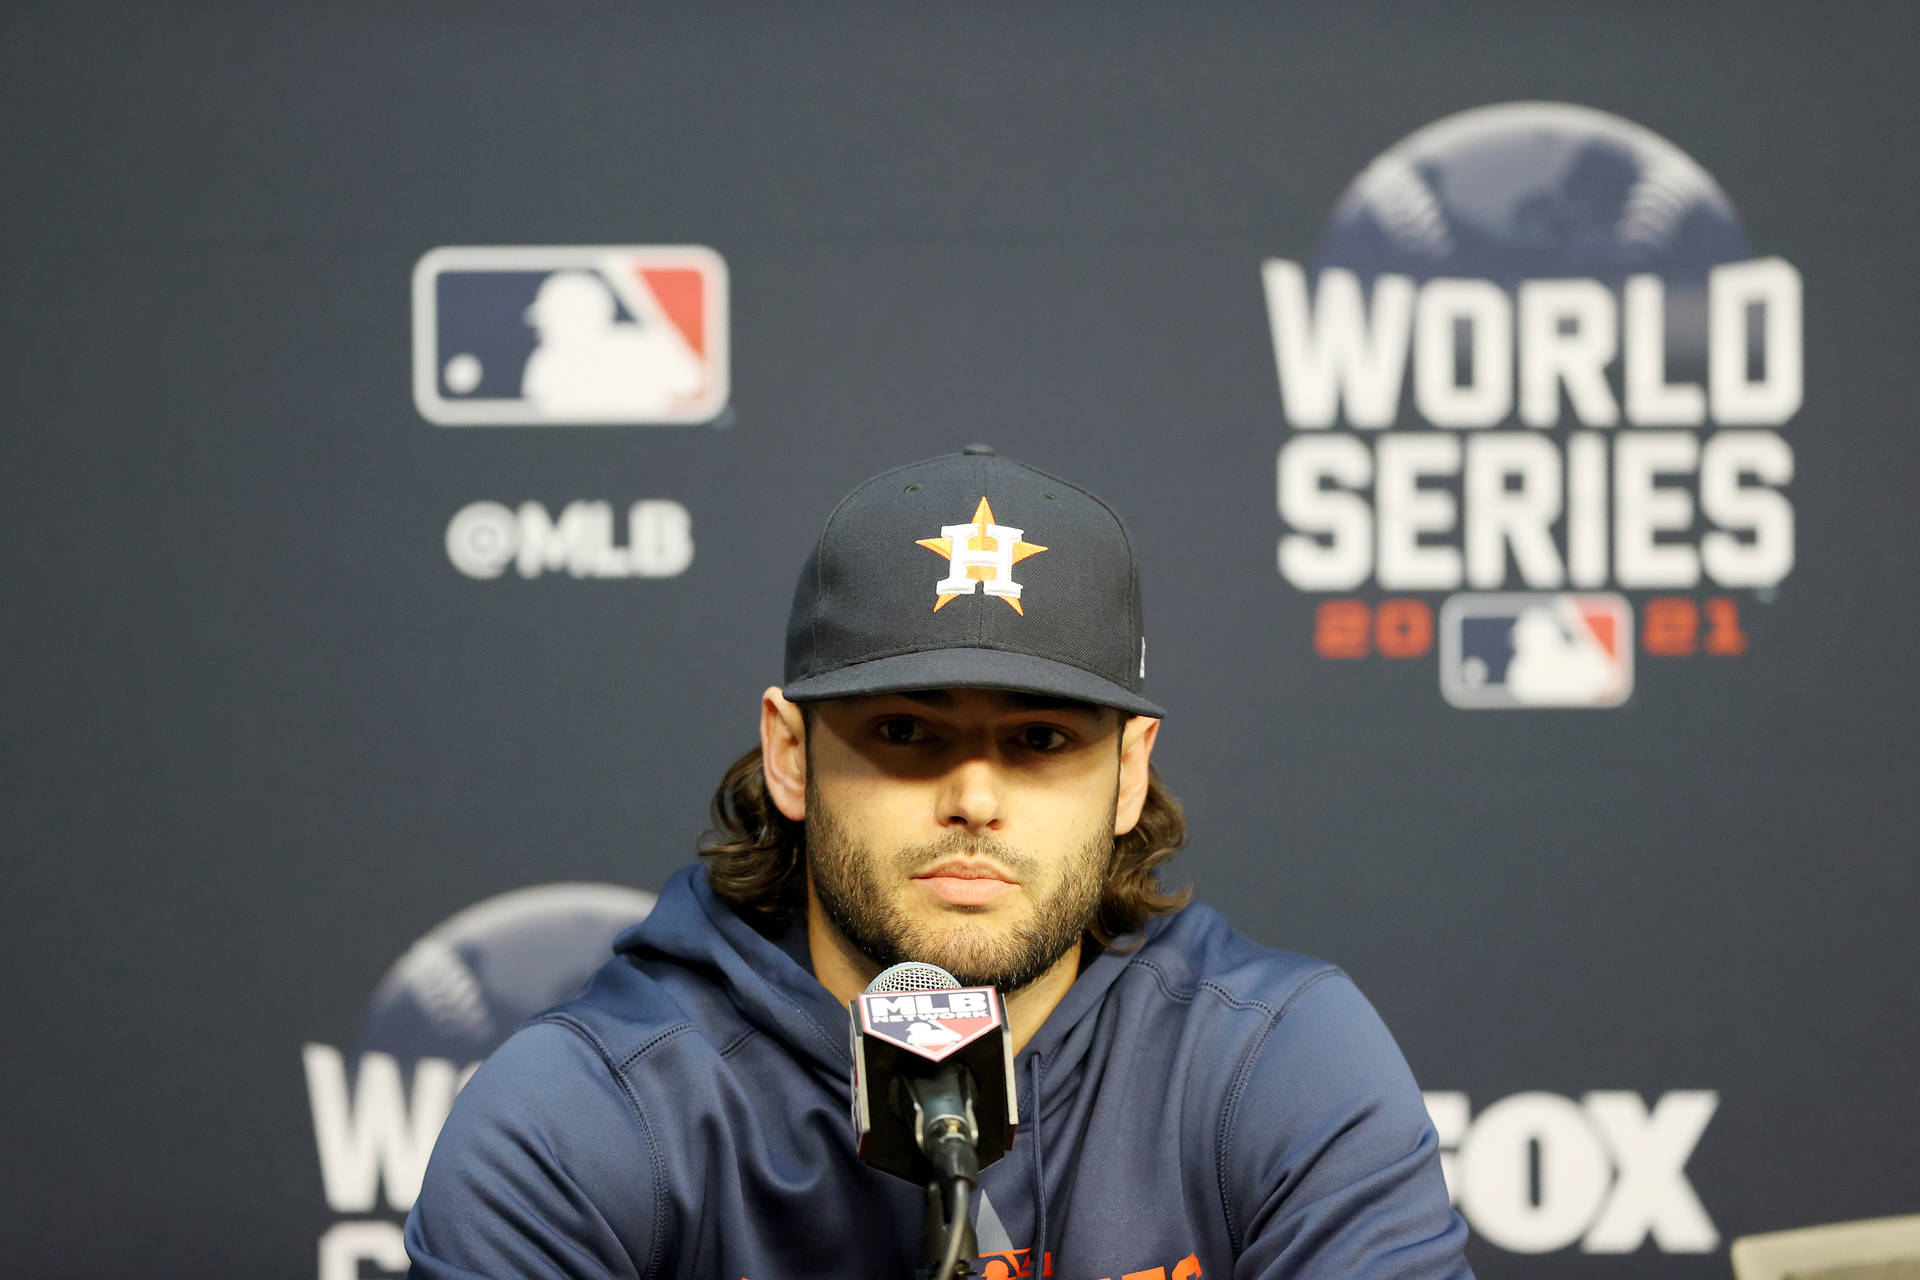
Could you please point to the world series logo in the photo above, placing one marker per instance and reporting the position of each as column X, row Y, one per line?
column 1534, row 384
column 448, row 1002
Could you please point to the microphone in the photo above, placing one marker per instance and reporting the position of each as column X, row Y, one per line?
column 933, row 1093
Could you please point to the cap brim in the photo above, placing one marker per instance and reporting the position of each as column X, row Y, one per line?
column 970, row 668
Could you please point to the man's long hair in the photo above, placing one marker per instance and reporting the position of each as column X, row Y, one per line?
column 757, row 857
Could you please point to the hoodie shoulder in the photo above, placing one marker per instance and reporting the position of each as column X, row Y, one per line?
column 546, row 1167
column 1196, row 950
column 1327, row 1163
column 623, row 1010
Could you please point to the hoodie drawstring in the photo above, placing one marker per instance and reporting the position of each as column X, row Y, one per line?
column 1039, row 1177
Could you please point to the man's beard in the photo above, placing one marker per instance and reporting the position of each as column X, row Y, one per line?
column 856, row 888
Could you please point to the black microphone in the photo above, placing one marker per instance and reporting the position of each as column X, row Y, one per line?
column 933, row 1093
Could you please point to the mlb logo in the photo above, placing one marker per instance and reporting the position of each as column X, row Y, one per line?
column 570, row 334
column 1536, row 650
column 932, row 1025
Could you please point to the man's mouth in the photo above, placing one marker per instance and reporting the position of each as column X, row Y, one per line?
column 962, row 883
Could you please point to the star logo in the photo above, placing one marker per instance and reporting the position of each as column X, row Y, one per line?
column 980, row 556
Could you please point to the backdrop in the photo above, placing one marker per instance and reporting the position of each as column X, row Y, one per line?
column 416, row 417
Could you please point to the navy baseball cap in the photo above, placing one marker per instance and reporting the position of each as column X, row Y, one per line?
column 970, row 571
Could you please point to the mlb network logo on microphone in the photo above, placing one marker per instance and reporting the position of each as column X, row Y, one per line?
column 562, row 335
column 931, row 1024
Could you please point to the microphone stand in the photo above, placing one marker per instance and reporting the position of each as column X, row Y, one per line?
column 946, row 1234
column 937, row 1243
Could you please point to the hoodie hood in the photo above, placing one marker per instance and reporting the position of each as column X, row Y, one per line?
column 767, row 980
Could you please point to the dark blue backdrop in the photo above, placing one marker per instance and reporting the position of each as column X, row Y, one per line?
column 263, row 735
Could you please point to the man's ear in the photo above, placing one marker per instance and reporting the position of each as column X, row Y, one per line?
column 1137, row 736
column 783, row 753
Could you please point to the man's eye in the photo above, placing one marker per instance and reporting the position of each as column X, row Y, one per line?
column 900, row 731
column 1043, row 737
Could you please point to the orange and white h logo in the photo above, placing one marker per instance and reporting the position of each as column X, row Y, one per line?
column 980, row 554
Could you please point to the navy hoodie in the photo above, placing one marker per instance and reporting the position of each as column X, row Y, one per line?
column 1197, row 1106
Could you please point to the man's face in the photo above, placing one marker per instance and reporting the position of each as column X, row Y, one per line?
column 971, row 829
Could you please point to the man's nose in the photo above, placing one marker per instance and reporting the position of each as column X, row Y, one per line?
column 971, row 797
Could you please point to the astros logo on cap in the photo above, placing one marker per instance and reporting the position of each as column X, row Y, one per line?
column 980, row 554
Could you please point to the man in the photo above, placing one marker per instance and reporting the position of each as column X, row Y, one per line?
column 958, row 771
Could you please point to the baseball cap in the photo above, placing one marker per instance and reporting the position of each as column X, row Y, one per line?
column 970, row 571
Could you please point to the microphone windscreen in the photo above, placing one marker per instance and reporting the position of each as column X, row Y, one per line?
column 914, row 975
